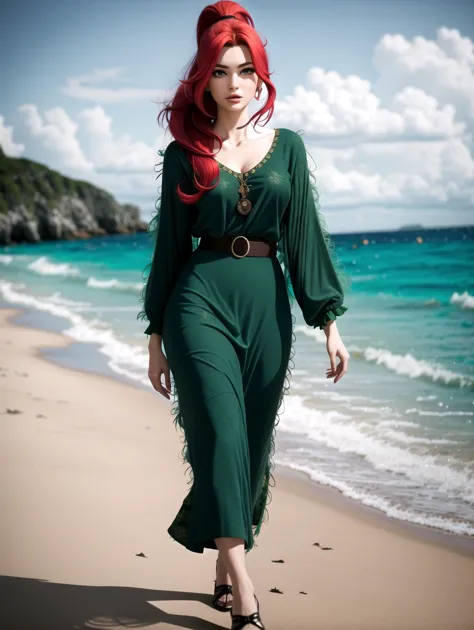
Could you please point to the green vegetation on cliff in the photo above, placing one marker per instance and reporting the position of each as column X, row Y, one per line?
column 37, row 203
column 21, row 178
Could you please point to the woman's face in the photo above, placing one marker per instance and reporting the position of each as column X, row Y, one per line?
column 234, row 73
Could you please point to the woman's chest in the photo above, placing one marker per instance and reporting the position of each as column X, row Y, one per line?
column 243, row 159
column 268, row 191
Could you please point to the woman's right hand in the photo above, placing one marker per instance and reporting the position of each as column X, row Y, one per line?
column 158, row 365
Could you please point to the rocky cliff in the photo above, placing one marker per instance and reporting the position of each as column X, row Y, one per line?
column 38, row 204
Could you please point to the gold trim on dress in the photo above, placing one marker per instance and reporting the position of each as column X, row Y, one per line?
column 244, row 205
column 262, row 161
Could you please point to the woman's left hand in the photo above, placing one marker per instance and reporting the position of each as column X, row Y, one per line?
column 335, row 348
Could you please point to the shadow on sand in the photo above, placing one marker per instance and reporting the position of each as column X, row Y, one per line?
column 32, row 604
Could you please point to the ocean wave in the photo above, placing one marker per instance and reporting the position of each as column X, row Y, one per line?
column 439, row 414
column 123, row 358
column 404, row 438
column 8, row 259
column 408, row 365
column 338, row 431
column 402, row 423
column 405, row 365
column 113, row 283
column 313, row 333
column 372, row 500
column 45, row 267
column 464, row 300
column 57, row 298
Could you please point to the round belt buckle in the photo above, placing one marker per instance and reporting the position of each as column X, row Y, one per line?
column 232, row 247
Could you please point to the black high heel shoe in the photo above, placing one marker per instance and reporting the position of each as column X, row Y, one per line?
column 240, row 621
column 219, row 591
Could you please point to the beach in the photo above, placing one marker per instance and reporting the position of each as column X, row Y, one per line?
column 92, row 479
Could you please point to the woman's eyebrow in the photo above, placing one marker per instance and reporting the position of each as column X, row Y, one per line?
column 246, row 63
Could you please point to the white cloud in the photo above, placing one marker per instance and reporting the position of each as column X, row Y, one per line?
column 401, row 146
column 443, row 68
column 85, row 88
column 406, row 142
column 10, row 148
column 334, row 107
column 114, row 162
column 108, row 151
column 405, row 174
column 58, row 133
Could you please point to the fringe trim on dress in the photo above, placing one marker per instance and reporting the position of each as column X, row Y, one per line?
column 152, row 231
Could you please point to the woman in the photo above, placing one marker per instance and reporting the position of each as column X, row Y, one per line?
column 223, row 307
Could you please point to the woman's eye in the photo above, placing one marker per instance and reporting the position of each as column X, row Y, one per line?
column 244, row 70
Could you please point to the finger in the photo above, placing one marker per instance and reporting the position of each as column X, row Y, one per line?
column 343, row 371
column 168, row 380
column 157, row 386
column 336, row 376
column 155, row 379
column 161, row 390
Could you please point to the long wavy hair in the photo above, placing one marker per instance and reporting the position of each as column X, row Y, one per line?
column 192, row 110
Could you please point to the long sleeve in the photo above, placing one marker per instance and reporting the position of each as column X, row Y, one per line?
column 317, row 286
column 173, row 244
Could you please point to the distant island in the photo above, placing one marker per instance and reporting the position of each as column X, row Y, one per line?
column 413, row 226
column 39, row 204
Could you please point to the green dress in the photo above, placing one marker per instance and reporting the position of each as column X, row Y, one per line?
column 228, row 327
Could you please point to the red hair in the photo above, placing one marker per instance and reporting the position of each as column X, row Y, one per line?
column 191, row 110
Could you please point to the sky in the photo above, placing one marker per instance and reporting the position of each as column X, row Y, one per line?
column 382, row 89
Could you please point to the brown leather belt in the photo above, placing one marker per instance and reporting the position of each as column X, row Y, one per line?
column 239, row 246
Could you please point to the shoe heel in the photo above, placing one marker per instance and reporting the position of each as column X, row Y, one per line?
column 240, row 621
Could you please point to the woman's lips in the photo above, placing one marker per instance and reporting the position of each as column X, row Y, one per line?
column 234, row 98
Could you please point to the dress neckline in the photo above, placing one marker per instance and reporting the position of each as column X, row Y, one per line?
column 265, row 158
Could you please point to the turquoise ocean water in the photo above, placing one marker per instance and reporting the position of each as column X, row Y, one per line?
column 396, row 433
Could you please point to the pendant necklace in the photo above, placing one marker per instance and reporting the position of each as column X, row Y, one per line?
column 244, row 205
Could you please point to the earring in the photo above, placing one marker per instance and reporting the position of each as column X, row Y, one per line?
column 257, row 93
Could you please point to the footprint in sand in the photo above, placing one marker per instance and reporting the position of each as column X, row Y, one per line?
column 322, row 548
column 14, row 411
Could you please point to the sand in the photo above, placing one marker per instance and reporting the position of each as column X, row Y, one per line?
column 91, row 479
